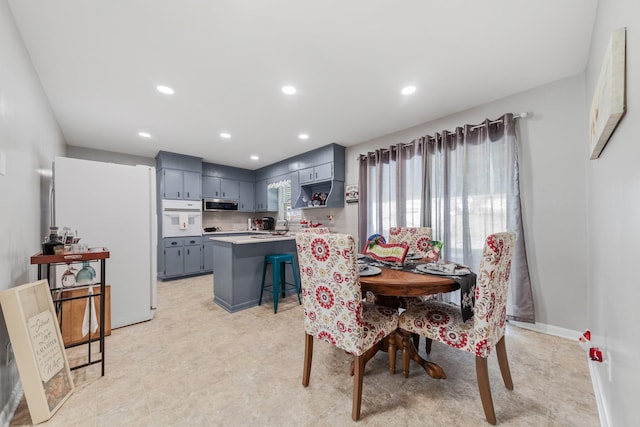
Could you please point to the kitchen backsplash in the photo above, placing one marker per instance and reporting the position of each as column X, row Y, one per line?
column 232, row 221
column 227, row 221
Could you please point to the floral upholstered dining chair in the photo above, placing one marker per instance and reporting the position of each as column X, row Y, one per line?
column 418, row 238
column 319, row 230
column 443, row 322
column 419, row 241
column 333, row 307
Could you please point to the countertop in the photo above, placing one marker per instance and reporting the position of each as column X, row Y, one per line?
column 224, row 233
column 260, row 237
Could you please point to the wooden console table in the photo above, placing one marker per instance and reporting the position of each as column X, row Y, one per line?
column 46, row 262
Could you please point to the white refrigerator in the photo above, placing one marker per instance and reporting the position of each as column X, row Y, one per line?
column 114, row 206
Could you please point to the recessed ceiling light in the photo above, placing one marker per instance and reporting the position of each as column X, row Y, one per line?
column 289, row 90
column 165, row 89
column 303, row 136
column 144, row 134
column 408, row 90
column 225, row 135
column 255, row 158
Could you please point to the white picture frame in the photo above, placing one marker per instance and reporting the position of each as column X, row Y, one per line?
column 38, row 347
column 609, row 103
column 351, row 193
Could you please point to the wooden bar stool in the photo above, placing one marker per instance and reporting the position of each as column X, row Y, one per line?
column 278, row 277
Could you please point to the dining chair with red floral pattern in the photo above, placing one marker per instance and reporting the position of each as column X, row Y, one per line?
column 319, row 230
column 419, row 241
column 418, row 238
column 334, row 310
column 443, row 322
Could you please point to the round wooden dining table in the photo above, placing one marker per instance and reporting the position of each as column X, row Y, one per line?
column 391, row 284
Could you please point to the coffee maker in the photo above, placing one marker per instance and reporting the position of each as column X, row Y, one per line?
column 268, row 223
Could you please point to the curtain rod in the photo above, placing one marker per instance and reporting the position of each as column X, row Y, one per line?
column 409, row 144
column 515, row 116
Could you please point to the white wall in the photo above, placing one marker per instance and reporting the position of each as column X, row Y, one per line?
column 613, row 223
column 552, row 171
column 29, row 138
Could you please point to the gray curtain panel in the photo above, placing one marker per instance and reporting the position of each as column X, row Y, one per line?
column 467, row 187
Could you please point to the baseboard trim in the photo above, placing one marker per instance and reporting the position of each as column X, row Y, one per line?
column 548, row 329
column 597, row 391
column 9, row 409
column 593, row 373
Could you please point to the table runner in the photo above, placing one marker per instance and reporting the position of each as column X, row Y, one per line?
column 467, row 283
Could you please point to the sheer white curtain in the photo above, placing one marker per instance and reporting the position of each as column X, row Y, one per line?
column 393, row 194
column 464, row 185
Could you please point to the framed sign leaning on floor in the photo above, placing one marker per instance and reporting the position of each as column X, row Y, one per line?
column 37, row 344
column 609, row 103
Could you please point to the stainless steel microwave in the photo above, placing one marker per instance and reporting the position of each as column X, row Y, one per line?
column 217, row 205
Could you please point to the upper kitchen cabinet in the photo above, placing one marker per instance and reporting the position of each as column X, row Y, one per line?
column 321, row 178
column 227, row 182
column 316, row 174
column 313, row 161
column 247, row 197
column 320, row 171
column 177, row 184
column 220, row 188
column 266, row 200
column 210, row 187
column 230, row 189
column 179, row 176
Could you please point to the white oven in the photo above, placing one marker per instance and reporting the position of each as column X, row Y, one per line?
column 181, row 218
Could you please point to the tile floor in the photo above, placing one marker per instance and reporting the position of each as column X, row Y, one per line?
column 197, row 365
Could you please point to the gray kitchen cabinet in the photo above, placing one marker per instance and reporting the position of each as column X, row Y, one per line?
column 192, row 186
column 207, row 255
column 327, row 179
column 266, row 200
column 230, row 189
column 261, row 195
column 173, row 183
column 177, row 184
column 318, row 173
column 334, row 191
column 247, row 197
column 172, row 261
column 179, row 176
column 173, row 264
column 306, row 175
column 181, row 256
column 214, row 187
column 210, row 187
column 323, row 172
column 192, row 255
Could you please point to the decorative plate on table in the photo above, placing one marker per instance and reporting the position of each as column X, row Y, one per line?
column 370, row 271
column 423, row 268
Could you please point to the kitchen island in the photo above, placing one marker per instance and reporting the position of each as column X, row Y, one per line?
column 237, row 266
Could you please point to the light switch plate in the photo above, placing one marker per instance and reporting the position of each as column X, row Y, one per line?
column 3, row 163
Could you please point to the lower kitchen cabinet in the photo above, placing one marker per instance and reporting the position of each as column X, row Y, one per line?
column 173, row 261
column 181, row 256
column 192, row 255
